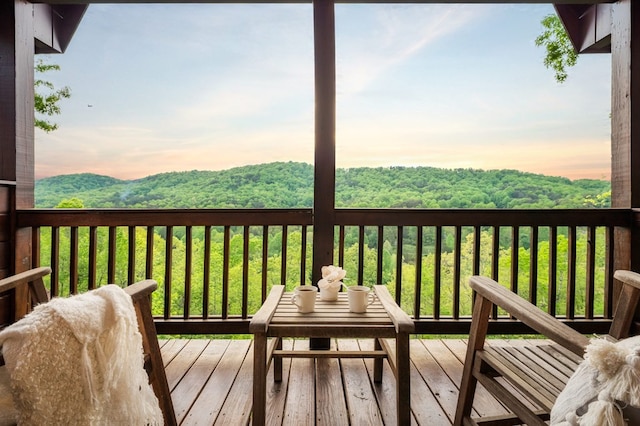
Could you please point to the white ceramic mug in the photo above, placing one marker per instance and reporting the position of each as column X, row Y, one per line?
column 359, row 298
column 330, row 293
column 304, row 297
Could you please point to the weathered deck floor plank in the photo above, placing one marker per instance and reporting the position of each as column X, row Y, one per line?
column 210, row 383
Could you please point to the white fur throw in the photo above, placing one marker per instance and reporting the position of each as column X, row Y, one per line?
column 8, row 413
column 605, row 388
column 79, row 361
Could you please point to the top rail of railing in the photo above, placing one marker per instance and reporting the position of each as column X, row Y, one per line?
column 162, row 217
column 344, row 216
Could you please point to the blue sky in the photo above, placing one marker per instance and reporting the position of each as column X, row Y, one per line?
column 158, row 88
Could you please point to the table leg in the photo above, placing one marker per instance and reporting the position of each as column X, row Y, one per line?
column 403, row 379
column 377, row 363
column 259, row 378
column 277, row 363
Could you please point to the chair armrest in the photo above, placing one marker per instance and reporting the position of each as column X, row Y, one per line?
column 402, row 321
column 141, row 289
column 31, row 275
column 529, row 314
column 260, row 321
column 628, row 277
column 625, row 309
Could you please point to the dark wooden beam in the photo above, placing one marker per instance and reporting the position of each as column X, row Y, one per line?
column 625, row 125
column 16, row 120
column 338, row 1
column 325, row 136
column 8, row 85
column 324, row 37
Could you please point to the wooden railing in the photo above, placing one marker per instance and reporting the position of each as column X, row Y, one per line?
column 215, row 267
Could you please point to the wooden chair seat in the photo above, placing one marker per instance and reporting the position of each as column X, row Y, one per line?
column 539, row 372
column 527, row 379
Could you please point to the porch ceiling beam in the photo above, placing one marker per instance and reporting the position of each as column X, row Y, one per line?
column 581, row 2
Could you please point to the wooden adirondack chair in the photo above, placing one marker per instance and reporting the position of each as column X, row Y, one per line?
column 21, row 292
column 520, row 375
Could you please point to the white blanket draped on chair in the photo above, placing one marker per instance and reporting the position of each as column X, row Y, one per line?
column 79, row 360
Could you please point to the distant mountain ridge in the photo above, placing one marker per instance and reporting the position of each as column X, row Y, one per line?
column 290, row 185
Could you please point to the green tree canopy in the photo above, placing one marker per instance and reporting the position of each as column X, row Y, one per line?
column 560, row 53
column 72, row 203
column 47, row 97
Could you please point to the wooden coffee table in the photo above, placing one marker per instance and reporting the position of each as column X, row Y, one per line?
column 278, row 318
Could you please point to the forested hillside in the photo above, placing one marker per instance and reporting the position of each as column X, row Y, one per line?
column 288, row 185
column 284, row 185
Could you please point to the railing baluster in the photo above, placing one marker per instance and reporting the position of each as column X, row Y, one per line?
column 245, row 272
column 360, row 255
column 418, row 287
column 93, row 258
column 533, row 262
column 515, row 253
column 591, row 273
column 476, row 250
column 283, row 257
column 168, row 268
column 111, row 273
column 341, row 246
column 225, row 273
column 303, row 256
column 188, row 262
column 553, row 269
column 131, row 263
column 36, row 248
column 457, row 253
column 265, row 257
column 608, row 272
column 380, row 259
column 206, row 274
column 55, row 261
column 495, row 254
column 495, row 263
column 73, row 260
column 399, row 265
column 437, row 274
column 148, row 270
column 571, row 274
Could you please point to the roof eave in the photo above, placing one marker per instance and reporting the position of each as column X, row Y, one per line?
column 588, row 26
column 54, row 26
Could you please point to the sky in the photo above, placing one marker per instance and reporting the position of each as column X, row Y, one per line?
column 161, row 88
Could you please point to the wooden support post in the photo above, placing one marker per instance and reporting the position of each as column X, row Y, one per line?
column 625, row 128
column 16, row 122
column 325, row 150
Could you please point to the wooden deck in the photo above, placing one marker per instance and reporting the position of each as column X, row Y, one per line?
column 211, row 383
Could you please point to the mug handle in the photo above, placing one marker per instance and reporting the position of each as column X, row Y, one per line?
column 372, row 297
column 294, row 299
